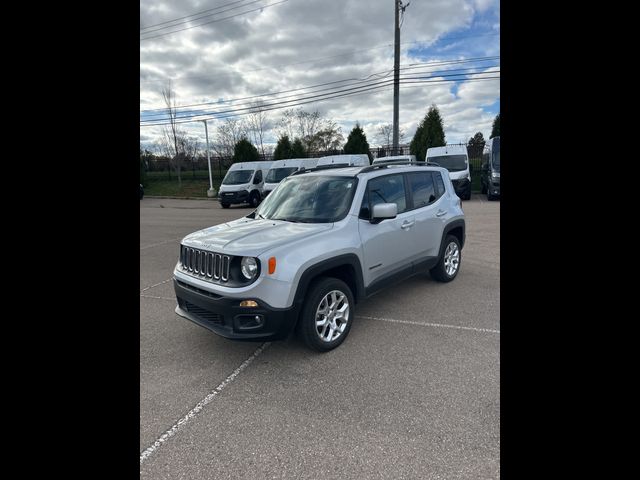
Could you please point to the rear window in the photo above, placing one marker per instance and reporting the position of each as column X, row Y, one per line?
column 440, row 189
column 422, row 188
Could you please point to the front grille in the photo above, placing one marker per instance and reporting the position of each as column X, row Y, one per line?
column 205, row 265
column 206, row 315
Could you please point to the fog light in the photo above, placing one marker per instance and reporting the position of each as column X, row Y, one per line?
column 248, row 322
column 248, row 303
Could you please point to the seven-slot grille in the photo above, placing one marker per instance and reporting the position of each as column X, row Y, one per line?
column 203, row 264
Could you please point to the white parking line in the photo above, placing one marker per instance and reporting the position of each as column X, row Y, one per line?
column 160, row 243
column 158, row 298
column 408, row 322
column 151, row 286
column 172, row 431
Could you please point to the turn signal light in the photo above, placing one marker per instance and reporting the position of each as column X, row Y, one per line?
column 272, row 265
column 248, row 303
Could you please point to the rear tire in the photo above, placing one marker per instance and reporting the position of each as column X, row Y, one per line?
column 448, row 266
column 484, row 189
column 467, row 196
column 329, row 300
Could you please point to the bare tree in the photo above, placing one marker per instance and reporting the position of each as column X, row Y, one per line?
column 228, row 133
column 258, row 125
column 385, row 134
column 171, row 133
column 315, row 132
column 328, row 138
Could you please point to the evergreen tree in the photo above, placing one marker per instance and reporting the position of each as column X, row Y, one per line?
column 297, row 150
column 357, row 142
column 283, row 148
column 430, row 133
column 244, row 151
column 476, row 144
column 495, row 129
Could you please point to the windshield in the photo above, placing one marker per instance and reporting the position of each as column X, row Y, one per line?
column 276, row 175
column 237, row 177
column 495, row 153
column 309, row 199
column 453, row 163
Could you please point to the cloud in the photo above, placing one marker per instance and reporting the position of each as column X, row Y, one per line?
column 286, row 47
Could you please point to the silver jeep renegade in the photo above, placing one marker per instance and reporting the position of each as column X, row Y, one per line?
column 322, row 241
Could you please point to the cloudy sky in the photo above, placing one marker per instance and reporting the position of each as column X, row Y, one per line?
column 249, row 48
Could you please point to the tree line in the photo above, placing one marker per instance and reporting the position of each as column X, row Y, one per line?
column 300, row 134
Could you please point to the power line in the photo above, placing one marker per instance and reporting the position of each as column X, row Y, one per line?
column 192, row 15
column 214, row 21
column 162, row 112
column 314, row 101
column 200, row 18
column 315, row 98
column 408, row 67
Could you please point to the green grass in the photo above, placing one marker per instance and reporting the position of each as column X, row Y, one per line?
column 169, row 188
column 476, row 187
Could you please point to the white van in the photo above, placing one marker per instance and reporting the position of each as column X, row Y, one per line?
column 395, row 159
column 348, row 160
column 243, row 183
column 281, row 169
column 455, row 159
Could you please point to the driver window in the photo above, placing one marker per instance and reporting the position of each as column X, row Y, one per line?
column 387, row 189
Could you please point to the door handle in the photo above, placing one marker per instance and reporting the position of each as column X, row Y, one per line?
column 441, row 213
column 407, row 224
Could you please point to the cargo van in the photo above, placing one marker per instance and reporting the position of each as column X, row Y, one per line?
column 243, row 183
column 490, row 171
column 280, row 169
column 395, row 159
column 348, row 160
column 455, row 159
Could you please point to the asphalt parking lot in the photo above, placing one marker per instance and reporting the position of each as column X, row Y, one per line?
column 413, row 392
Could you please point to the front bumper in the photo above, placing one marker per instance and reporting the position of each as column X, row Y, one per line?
column 241, row 196
column 494, row 186
column 462, row 187
column 223, row 315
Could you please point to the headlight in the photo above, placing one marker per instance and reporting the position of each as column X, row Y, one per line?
column 495, row 174
column 249, row 267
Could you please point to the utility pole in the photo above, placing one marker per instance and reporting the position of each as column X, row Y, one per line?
column 396, row 75
column 206, row 132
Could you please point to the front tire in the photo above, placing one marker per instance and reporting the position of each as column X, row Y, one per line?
column 327, row 314
column 448, row 266
column 224, row 205
column 254, row 199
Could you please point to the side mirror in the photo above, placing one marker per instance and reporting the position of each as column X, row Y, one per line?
column 383, row 211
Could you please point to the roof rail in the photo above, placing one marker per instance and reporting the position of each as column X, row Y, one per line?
column 321, row 167
column 379, row 165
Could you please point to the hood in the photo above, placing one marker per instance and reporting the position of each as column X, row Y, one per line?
column 234, row 188
column 251, row 237
column 458, row 175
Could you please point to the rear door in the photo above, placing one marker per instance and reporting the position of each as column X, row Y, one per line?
column 387, row 245
column 430, row 213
